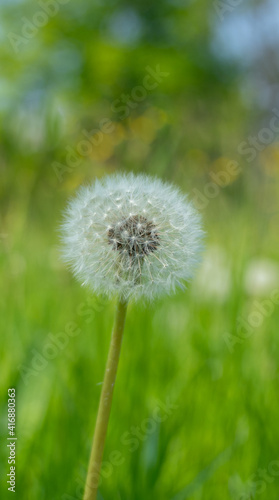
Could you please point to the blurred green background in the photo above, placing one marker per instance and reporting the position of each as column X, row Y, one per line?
column 211, row 352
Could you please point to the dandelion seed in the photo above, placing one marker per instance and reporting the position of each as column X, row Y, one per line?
column 117, row 251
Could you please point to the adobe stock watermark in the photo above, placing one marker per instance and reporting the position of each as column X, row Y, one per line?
column 122, row 108
column 223, row 6
column 257, row 143
column 250, row 149
column 258, row 482
column 131, row 440
column 212, row 189
column 246, row 326
column 54, row 344
column 30, row 27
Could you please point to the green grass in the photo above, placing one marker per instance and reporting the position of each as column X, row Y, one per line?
column 222, row 427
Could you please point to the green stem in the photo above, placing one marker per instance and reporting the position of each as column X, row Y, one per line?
column 93, row 474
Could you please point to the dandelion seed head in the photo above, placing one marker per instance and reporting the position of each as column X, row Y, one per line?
column 132, row 236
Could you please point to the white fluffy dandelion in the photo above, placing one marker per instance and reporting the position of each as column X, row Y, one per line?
column 134, row 237
column 131, row 236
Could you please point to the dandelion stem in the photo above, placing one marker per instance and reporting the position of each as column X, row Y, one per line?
column 93, row 474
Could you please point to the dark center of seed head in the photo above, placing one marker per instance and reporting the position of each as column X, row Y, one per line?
column 134, row 236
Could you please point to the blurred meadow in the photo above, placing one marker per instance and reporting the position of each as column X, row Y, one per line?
column 186, row 91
